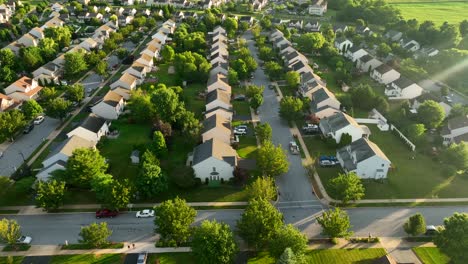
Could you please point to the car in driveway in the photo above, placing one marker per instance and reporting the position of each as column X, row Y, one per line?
column 103, row 213
column 38, row 120
column 327, row 163
column 29, row 127
column 145, row 213
column 240, row 131
column 142, row 257
column 24, row 240
column 431, row 230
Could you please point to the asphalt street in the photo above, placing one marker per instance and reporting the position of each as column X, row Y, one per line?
column 91, row 83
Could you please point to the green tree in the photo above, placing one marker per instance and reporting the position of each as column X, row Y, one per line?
column 83, row 165
column 10, row 231
column 101, row 184
column 456, row 155
column 95, row 235
column 335, row 223
column 263, row 132
column 310, row 42
column 168, row 53
column 347, row 187
column 48, row 93
column 173, row 220
column 233, row 77
column 101, row 68
column 31, row 57
column 58, row 108
column 383, row 50
column 262, row 188
column 265, row 53
column 252, row 90
column 166, row 104
column 75, row 92
column 431, row 114
column 259, row 223
column 7, row 58
column 288, row 237
column 241, row 68
column 291, row 108
column 75, row 64
column 214, row 242
column 151, row 180
column 10, row 123
column 415, row 225
column 287, row 257
column 61, row 35
column 293, row 78
column 189, row 125
column 119, row 195
column 453, row 238
column 256, row 101
column 159, row 147
column 31, row 109
column 140, row 106
column 50, row 194
column 273, row 70
column 415, row 131
column 272, row 160
column 230, row 24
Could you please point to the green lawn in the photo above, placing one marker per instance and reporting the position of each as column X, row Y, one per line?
column 17, row 193
column 192, row 101
column 88, row 259
column 437, row 11
column 15, row 259
column 241, row 108
column 327, row 256
column 171, row 258
column 247, row 147
column 163, row 76
column 431, row 255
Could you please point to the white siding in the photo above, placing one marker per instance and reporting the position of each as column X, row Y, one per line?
column 105, row 111
column 355, row 132
column 373, row 168
column 203, row 169
column 54, row 158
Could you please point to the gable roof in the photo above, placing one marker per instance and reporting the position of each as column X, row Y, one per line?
column 383, row 68
column 214, row 148
column 297, row 65
column 220, row 95
column 336, row 122
column 128, row 78
column 358, row 151
column 218, row 108
column 217, row 78
column 458, row 122
column 70, row 144
column 403, row 82
column 366, row 58
column 215, row 121
column 112, row 98
column 93, row 123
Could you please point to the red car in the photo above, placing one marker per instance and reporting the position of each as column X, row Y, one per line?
column 106, row 213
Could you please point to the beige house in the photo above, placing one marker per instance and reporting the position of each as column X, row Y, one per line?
column 146, row 60
column 126, row 81
column 218, row 81
column 111, row 106
column 28, row 40
column 226, row 113
column 122, row 92
column 217, row 126
column 92, row 129
column 324, row 103
column 23, row 89
column 218, row 98
column 6, row 102
column 385, row 74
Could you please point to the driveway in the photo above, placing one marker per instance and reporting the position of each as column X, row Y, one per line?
column 112, row 61
column 129, row 45
column 91, row 83
column 430, row 85
column 15, row 153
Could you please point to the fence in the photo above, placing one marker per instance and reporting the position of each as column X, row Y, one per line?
column 405, row 139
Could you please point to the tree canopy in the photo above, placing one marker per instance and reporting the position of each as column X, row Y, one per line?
column 95, row 234
column 288, row 237
column 262, row 187
column 263, row 132
column 83, row 165
column 151, row 180
column 291, row 108
column 335, row 223
column 431, row 114
column 347, row 187
column 272, row 160
column 50, row 194
column 415, row 225
column 31, row 109
column 10, row 231
column 453, row 238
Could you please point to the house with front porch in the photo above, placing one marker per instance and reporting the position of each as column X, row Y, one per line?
column 340, row 123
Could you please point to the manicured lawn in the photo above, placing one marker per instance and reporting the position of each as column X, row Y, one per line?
column 192, row 101
column 437, row 11
column 223, row 193
column 241, row 108
column 163, row 76
column 431, row 255
column 247, row 147
column 86, row 246
column 16, row 260
column 171, row 258
column 326, row 256
column 88, row 259
column 18, row 193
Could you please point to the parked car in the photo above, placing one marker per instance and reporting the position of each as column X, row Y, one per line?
column 142, row 257
column 309, row 127
column 24, row 240
column 294, row 148
column 106, row 213
column 29, row 127
column 449, row 100
column 431, row 230
column 38, row 120
column 241, row 127
column 240, row 131
column 239, row 97
column 332, row 158
column 145, row 213
column 327, row 163
column 271, row 86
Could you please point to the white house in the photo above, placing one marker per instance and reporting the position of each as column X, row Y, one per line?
column 88, row 44
column 393, row 35
column 218, row 81
column 226, row 113
column 92, row 128
column 146, row 60
column 122, row 92
column 312, row 26
column 384, row 74
column 456, row 130
column 214, row 160
column 126, row 81
column 23, row 89
column 27, row 40
column 151, row 50
column 410, row 44
column 324, row 103
column 217, row 126
column 340, row 123
column 355, row 53
column 218, row 98
column 309, row 84
column 364, row 158
column 6, row 102
column 367, row 63
column 300, row 67
column 318, row 8
column 161, row 36
column 403, row 88
column 343, row 44
column 294, row 56
column 216, row 58
column 219, row 68
column 49, row 72
column 111, row 106
column 138, row 70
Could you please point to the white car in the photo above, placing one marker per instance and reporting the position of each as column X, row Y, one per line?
column 24, row 240
column 145, row 213
column 38, row 120
column 240, row 131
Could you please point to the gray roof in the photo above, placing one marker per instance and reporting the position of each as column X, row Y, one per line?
column 218, row 108
column 354, row 49
column 336, row 122
column 292, row 55
column 403, row 82
column 366, row 58
column 392, row 33
column 307, row 76
column 341, row 39
column 297, row 65
column 93, row 123
column 218, row 94
column 216, row 55
column 214, row 148
column 69, row 145
column 221, row 64
column 215, row 78
column 320, row 95
column 383, row 68
column 458, row 122
column 358, row 151
column 214, row 121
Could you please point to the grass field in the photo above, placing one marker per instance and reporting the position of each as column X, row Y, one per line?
column 88, row 259
column 12, row 260
column 171, row 258
column 431, row 255
column 437, row 11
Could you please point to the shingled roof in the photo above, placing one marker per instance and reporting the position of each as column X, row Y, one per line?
column 217, row 149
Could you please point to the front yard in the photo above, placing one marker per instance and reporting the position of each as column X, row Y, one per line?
column 431, row 255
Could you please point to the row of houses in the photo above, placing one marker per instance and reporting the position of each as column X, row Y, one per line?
column 7, row 9
column 308, row 26
column 215, row 159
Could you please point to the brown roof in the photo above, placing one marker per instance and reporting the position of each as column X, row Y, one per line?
column 112, row 96
column 146, row 57
column 128, row 78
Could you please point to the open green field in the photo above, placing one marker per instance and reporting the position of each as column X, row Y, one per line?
column 89, row 259
column 431, row 255
column 171, row 258
column 437, row 11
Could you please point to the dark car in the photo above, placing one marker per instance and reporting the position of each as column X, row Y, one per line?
column 106, row 213
column 28, row 128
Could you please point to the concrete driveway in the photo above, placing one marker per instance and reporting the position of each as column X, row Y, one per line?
column 91, row 83
column 112, row 61
column 24, row 145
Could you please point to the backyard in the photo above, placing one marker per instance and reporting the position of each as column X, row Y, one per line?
column 431, row 255
column 437, row 11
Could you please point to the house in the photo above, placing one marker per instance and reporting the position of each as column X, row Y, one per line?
column 28, row 41
column 247, row 19
column 285, row 49
column 218, row 30
column 355, row 53
column 53, row 22
column 340, row 123
column 92, row 128
column 138, row 70
column 277, row 42
column 5, row 13
column 125, row 20
column 122, row 92
column 300, row 67
column 226, row 113
column 6, row 103
column 297, row 24
column 393, row 35
column 217, row 126
column 456, row 130
column 146, row 60
column 384, row 74
column 219, row 68
column 364, row 158
column 324, row 103
column 367, row 63
column 410, row 44
column 294, row 56
column 312, row 26
column 220, row 50
column 151, row 50
column 218, row 98
column 37, row 32
column 340, row 28
column 23, row 89
column 276, row 34
column 309, row 84
column 161, row 36
column 217, row 58
column 318, row 8
column 426, row 52
column 50, row 72
column 58, row 158
column 111, row 106
column 56, row 7
column 343, row 44
column 89, row 44
column 403, row 88
column 207, row 4
column 126, row 81
column 218, row 82
column 363, row 30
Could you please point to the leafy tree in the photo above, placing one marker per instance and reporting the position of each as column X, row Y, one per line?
column 61, row 35
column 75, row 92
column 214, row 242
column 50, row 194
column 347, row 187
column 191, row 66
column 10, row 231
column 262, row 188
column 272, row 160
column 83, row 165
column 75, row 64
column 265, row 53
column 48, row 48
column 166, row 104
column 251, row 63
column 256, row 101
column 140, row 106
column 233, row 77
column 453, row 239
column 291, row 108
column 259, row 223
column 415, row 225
column 58, row 108
column 31, row 57
column 159, row 144
column 168, row 53
column 287, row 257
column 252, row 90
column 119, row 195
column 230, row 24
column 463, row 28
column 173, row 220
column 10, row 123
column 241, row 68
column 335, row 223
column 293, row 78
column 431, row 114
column 189, row 125
column 363, row 97
column 273, row 70
column 263, row 132
column 415, row 131
column 288, row 237
column 456, row 155
column 7, row 75
column 7, row 58
column 151, row 180
column 95, row 234
column 101, row 68
column 310, row 42
column 101, row 184
column 383, row 50
column 31, row 109
column 48, row 93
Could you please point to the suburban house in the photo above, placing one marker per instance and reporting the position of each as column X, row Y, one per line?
column 300, row 67
column 138, row 70
column 126, row 81
column 340, row 28
column 56, row 7
column 218, row 98
column 49, row 72
column 218, row 82
column 217, row 126
column 307, row 88
column 5, row 13
column 429, row 52
column 146, row 60
column 294, row 56
column 410, row 44
column 213, row 160
column 286, row 49
column 23, row 89
column 385, row 74
column 37, row 32
column 297, row 24
column 27, row 40
column 226, row 113
column 6, row 102
column 89, row 44
column 367, row 63
column 340, row 123
column 403, row 88
column 217, row 57
column 355, row 53
column 58, row 158
column 161, row 36
column 219, row 68
column 92, row 128
column 343, row 44
column 111, row 106
column 276, row 34
column 393, row 35
column 456, row 130
column 312, row 26
column 364, row 158
column 219, row 49
column 318, row 8
column 277, row 42
column 122, row 92
column 151, row 50
column 324, row 103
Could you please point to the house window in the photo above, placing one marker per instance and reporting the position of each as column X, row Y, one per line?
column 383, row 165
